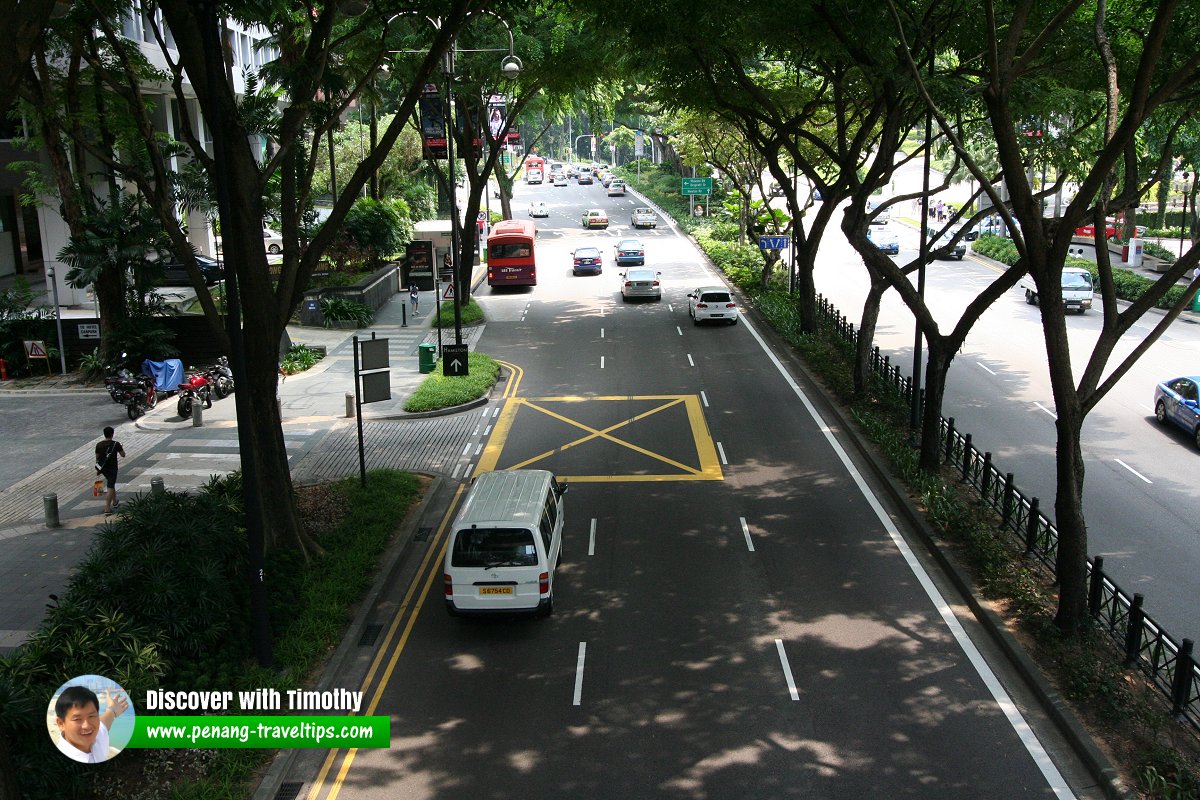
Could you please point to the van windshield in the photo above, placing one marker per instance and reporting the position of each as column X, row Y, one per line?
column 1077, row 280
column 494, row 547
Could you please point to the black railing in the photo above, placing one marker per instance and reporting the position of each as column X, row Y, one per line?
column 1170, row 665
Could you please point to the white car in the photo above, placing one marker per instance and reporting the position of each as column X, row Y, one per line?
column 273, row 240
column 641, row 284
column 712, row 304
column 538, row 209
column 643, row 217
column 560, row 179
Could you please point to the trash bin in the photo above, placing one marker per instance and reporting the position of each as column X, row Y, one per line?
column 426, row 357
column 1196, row 302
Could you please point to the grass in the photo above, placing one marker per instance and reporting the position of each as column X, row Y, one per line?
column 438, row 392
column 470, row 314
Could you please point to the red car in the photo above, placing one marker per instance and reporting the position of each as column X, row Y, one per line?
column 1089, row 230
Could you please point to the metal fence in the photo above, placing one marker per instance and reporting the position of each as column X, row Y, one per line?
column 1169, row 664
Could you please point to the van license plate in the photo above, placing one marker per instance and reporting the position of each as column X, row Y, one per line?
column 495, row 590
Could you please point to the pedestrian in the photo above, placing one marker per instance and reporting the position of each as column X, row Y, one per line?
column 107, row 451
column 414, row 296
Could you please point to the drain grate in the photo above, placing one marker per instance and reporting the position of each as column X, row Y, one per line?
column 423, row 534
column 370, row 635
column 288, row 791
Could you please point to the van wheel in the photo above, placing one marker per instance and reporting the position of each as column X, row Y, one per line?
column 1030, row 298
column 549, row 605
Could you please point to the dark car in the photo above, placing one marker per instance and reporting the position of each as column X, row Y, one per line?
column 587, row 259
column 175, row 273
column 1178, row 401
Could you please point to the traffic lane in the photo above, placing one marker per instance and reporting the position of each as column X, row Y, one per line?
column 814, row 490
column 998, row 390
column 41, row 427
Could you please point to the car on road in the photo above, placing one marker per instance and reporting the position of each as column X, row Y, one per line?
column 595, row 218
column 585, row 178
column 616, row 187
column 587, row 259
column 641, row 284
column 883, row 238
column 877, row 215
column 560, row 179
column 175, row 273
column 1089, row 230
column 643, row 218
column 941, row 249
column 630, row 251
column 1176, row 401
column 538, row 209
column 273, row 240
column 606, row 178
column 712, row 304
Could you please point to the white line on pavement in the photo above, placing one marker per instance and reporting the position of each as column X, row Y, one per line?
column 679, row 329
column 579, row 674
column 1134, row 471
column 1048, row 411
column 983, row 367
column 690, row 362
column 592, row 538
column 704, row 399
column 721, row 451
column 746, row 533
column 787, row 670
column 601, row 362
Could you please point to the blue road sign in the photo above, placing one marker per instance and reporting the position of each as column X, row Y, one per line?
column 772, row 242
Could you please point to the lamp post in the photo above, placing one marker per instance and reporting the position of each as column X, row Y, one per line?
column 1183, row 217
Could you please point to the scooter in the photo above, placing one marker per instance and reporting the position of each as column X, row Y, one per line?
column 195, row 389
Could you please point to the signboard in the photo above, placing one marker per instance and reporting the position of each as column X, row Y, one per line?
column 773, row 242
column 639, row 144
column 696, row 186
column 88, row 330
column 35, row 349
column 496, row 112
column 433, row 122
column 454, row 360
column 449, row 293
column 418, row 264
column 373, row 354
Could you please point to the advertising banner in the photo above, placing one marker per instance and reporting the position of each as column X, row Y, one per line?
column 497, row 111
column 433, row 122
column 639, row 144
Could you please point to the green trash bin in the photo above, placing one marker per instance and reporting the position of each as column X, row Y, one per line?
column 1196, row 302
column 426, row 357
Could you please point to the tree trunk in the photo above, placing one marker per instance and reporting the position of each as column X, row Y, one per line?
column 806, row 287
column 936, row 367
column 1071, row 558
column 866, row 336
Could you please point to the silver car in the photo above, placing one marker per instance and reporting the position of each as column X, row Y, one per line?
column 643, row 218
column 712, row 304
column 638, row 284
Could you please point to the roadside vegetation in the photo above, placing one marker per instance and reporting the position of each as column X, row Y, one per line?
column 187, row 637
column 438, row 391
column 1157, row 752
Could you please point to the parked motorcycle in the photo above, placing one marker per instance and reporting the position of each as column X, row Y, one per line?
column 221, row 378
column 135, row 392
column 196, row 389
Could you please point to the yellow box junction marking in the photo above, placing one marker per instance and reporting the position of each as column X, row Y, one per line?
column 708, row 469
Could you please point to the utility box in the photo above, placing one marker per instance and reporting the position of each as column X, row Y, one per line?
column 1131, row 253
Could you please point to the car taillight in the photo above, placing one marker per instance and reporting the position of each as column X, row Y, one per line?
column 447, row 584
column 730, row 305
column 656, row 283
column 489, row 274
column 701, row 305
column 544, row 582
column 628, row 284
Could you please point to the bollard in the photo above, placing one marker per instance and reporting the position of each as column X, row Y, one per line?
column 156, row 486
column 403, row 316
column 197, row 413
column 50, row 506
column 349, row 405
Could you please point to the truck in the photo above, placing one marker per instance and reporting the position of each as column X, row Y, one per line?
column 1076, row 289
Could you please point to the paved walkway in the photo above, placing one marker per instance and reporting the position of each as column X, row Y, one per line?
column 321, row 442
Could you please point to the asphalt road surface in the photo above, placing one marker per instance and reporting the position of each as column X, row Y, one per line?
column 735, row 616
column 1139, row 497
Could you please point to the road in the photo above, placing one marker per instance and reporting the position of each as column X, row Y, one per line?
column 1140, row 503
column 49, row 424
column 736, row 616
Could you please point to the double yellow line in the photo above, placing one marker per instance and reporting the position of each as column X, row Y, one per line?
column 405, row 618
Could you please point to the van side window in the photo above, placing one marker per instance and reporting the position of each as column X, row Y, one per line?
column 549, row 518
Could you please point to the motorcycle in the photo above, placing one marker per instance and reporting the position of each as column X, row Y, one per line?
column 136, row 392
column 221, row 378
column 195, row 389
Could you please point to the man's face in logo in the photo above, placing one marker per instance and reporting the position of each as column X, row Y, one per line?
column 80, row 726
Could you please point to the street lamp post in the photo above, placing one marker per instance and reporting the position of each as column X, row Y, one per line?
column 1183, row 217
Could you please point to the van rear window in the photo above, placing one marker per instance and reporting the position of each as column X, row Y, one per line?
column 494, row 547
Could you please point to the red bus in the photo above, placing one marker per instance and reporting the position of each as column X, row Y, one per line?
column 511, row 253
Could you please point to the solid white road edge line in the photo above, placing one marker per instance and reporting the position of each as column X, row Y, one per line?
column 579, row 674
column 746, row 533
column 1038, row 753
column 1134, row 471
column 787, row 670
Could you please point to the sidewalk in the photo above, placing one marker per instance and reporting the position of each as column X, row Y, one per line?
column 321, row 441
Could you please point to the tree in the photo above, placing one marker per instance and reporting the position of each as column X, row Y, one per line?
column 26, row 22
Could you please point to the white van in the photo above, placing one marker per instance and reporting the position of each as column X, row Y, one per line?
column 1077, row 290
column 505, row 544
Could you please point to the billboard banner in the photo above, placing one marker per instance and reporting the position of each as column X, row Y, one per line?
column 433, row 122
column 497, row 111
column 639, row 144
column 469, row 116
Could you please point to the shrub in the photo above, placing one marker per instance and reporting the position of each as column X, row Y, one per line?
column 470, row 314
column 299, row 358
column 1158, row 251
column 437, row 391
column 340, row 309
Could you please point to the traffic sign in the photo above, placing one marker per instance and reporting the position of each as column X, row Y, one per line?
column 773, row 242
column 454, row 360
column 696, row 186
column 449, row 293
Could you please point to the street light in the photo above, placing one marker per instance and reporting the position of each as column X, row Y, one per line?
column 1183, row 219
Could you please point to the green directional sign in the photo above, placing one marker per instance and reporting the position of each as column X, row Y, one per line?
column 696, row 186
